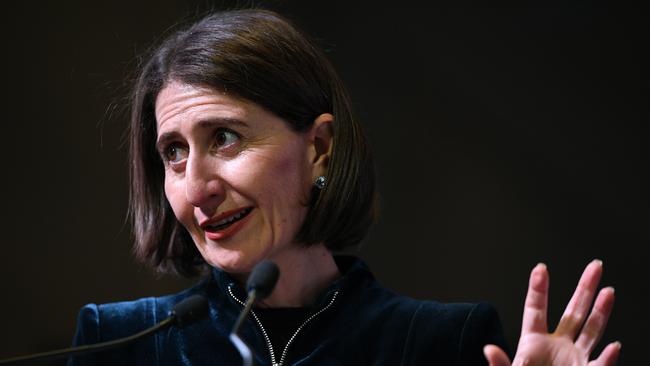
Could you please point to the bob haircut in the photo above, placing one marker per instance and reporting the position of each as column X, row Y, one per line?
column 258, row 56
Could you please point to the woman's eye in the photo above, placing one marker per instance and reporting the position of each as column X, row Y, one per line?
column 175, row 154
column 225, row 138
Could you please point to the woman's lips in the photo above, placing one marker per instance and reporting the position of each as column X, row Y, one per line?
column 220, row 232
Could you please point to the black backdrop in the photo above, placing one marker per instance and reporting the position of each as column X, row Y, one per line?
column 503, row 137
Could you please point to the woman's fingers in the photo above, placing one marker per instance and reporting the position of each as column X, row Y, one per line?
column 535, row 308
column 540, row 346
column 580, row 303
column 495, row 356
column 608, row 356
column 595, row 325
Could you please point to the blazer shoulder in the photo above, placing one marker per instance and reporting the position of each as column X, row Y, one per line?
column 106, row 322
column 102, row 322
column 481, row 327
column 453, row 333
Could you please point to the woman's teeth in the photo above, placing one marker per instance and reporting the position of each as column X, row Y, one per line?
column 228, row 221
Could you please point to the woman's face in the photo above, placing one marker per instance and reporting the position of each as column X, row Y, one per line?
column 236, row 176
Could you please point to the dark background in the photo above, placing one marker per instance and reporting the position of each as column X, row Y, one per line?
column 503, row 137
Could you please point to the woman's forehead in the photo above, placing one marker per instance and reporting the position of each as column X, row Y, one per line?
column 182, row 101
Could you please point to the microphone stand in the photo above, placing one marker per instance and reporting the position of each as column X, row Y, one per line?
column 242, row 347
column 260, row 284
column 90, row 348
column 184, row 313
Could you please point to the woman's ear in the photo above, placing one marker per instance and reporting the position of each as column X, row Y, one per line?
column 321, row 138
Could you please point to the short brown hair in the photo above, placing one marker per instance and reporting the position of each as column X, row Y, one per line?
column 258, row 56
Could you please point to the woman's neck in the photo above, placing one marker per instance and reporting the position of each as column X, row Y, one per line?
column 305, row 272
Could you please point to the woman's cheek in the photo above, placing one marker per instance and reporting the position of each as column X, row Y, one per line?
column 176, row 198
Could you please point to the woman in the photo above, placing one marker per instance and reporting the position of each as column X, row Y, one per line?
column 244, row 148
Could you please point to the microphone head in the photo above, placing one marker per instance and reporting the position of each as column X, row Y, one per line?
column 263, row 278
column 190, row 310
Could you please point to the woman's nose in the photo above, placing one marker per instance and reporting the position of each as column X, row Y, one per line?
column 203, row 185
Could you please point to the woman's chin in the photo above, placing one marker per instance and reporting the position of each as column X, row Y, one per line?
column 235, row 264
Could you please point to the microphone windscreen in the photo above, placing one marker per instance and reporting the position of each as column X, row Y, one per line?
column 190, row 310
column 263, row 279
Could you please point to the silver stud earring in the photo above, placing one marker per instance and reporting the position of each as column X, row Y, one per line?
column 320, row 182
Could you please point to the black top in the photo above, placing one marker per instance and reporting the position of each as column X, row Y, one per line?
column 282, row 323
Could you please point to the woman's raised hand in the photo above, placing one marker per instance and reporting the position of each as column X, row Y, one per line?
column 574, row 338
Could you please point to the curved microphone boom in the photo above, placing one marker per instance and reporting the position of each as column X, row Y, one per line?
column 260, row 284
column 184, row 313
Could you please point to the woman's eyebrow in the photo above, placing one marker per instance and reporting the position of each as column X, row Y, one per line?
column 221, row 121
column 210, row 123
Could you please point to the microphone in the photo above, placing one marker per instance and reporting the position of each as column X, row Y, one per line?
column 190, row 310
column 263, row 279
column 184, row 313
column 260, row 284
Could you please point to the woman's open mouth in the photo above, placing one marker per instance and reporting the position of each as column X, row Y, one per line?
column 227, row 221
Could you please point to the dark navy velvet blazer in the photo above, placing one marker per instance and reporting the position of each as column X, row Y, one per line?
column 366, row 324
